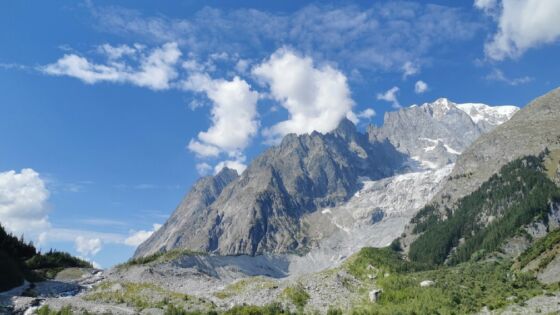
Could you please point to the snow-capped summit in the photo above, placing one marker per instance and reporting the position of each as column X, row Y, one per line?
column 494, row 115
column 439, row 108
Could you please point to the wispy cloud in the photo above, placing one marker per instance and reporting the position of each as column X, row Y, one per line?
column 390, row 96
column 154, row 70
column 104, row 222
column 498, row 75
column 384, row 35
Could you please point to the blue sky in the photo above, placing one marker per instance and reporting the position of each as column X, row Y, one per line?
column 109, row 111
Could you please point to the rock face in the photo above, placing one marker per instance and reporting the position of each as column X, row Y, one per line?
column 435, row 134
column 267, row 209
column 531, row 130
column 260, row 211
column 180, row 230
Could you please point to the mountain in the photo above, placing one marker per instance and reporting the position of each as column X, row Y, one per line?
column 260, row 211
column 191, row 212
column 276, row 205
column 435, row 134
column 488, row 117
column 504, row 185
column 532, row 129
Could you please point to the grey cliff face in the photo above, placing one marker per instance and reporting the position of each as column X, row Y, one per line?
column 260, row 211
column 189, row 216
column 433, row 134
column 264, row 210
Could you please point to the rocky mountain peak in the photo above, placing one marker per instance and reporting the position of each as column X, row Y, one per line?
column 439, row 108
column 263, row 211
column 226, row 174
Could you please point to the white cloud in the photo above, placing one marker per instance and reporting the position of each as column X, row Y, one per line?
column 70, row 235
column 237, row 165
column 23, row 202
column 390, row 96
column 420, row 87
column 316, row 98
column 116, row 52
column 381, row 36
column 521, row 25
column 203, row 150
column 485, row 4
column 203, row 169
column 498, row 75
column 242, row 65
column 87, row 246
column 409, row 69
column 138, row 237
column 155, row 70
column 367, row 113
column 234, row 115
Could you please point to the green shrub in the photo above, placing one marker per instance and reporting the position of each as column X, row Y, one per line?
column 46, row 310
column 461, row 289
column 271, row 309
column 383, row 259
column 297, row 295
column 160, row 257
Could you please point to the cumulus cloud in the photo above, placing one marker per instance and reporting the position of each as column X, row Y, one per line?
column 234, row 115
column 87, row 246
column 498, row 75
column 316, row 98
column 420, row 87
column 23, row 202
column 154, row 70
column 521, row 25
column 138, row 237
column 390, row 96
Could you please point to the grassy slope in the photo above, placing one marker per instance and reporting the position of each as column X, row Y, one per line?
column 460, row 289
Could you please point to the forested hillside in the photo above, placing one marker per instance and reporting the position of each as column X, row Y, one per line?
column 20, row 260
column 518, row 195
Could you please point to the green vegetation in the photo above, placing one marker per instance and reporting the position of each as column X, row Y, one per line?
column 20, row 260
column 460, row 289
column 540, row 246
column 371, row 260
column 144, row 295
column 271, row 309
column 297, row 295
column 240, row 285
column 552, row 163
column 13, row 253
column 518, row 195
column 160, row 257
column 48, row 265
column 46, row 310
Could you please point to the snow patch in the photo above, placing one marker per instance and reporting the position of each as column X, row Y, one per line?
column 494, row 115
